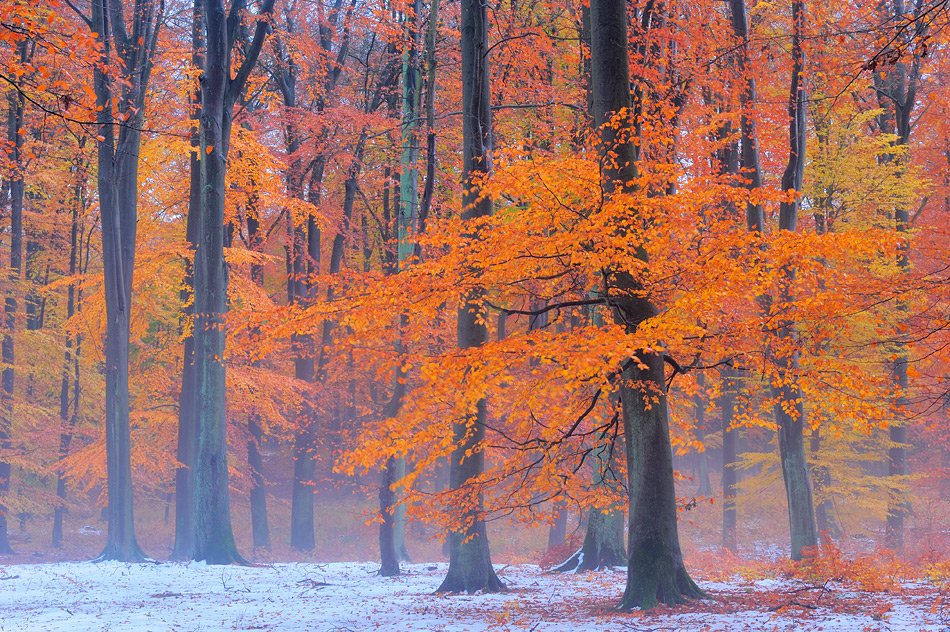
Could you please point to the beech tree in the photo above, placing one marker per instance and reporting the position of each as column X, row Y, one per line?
column 121, row 81
column 470, row 567
column 213, row 536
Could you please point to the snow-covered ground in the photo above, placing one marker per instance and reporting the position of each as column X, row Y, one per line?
column 350, row 597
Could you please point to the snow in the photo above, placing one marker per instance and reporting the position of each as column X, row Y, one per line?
column 350, row 596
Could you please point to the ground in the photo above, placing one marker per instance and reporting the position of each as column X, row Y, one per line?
column 349, row 596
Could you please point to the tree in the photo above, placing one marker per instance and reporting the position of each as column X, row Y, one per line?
column 655, row 571
column 789, row 406
column 120, row 104
column 470, row 567
column 213, row 537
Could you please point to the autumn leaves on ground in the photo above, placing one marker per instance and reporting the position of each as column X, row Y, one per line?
column 585, row 284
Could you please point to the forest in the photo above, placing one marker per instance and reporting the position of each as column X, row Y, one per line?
column 458, row 314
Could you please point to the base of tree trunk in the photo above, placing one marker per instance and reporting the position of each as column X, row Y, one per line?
column 116, row 553
column 471, row 581
column 603, row 545
column 653, row 581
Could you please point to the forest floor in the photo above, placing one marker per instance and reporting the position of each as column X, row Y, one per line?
column 351, row 597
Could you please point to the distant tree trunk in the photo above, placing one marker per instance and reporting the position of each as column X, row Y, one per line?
column 557, row 534
column 69, row 397
column 702, row 458
column 389, row 555
column 788, row 396
column 260, row 530
column 470, row 567
column 730, row 459
column 118, row 162
column 655, row 571
column 213, row 536
column 896, row 85
column 603, row 539
column 187, row 403
column 824, row 512
column 408, row 217
column 14, row 185
column 304, row 258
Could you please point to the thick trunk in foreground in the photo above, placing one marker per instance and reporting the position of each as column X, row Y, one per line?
column 655, row 571
column 213, row 536
column 117, row 159
column 470, row 567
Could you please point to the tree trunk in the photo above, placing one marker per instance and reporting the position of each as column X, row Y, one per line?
column 187, row 404
column 702, row 458
column 15, row 185
column 389, row 556
column 789, row 407
column 821, row 476
column 213, row 536
column 470, row 567
column 655, row 571
column 260, row 530
column 896, row 86
column 557, row 534
column 69, row 397
column 118, row 161
column 730, row 460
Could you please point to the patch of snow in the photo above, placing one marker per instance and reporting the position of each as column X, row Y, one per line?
column 77, row 597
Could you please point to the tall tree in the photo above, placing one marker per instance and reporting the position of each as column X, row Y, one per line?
column 470, row 567
column 896, row 86
column 789, row 405
column 14, row 185
column 213, row 536
column 120, row 80
column 655, row 570
column 187, row 401
column 70, row 388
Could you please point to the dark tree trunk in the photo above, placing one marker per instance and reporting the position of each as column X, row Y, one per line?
column 730, row 459
column 14, row 185
column 655, row 571
column 260, row 530
column 896, row 87
column 70, row 390
column 118, row 155
column 304, row 261
column 213, row 536
column 470, row 567
column 603, row 539
column 789, row 407
column 824, row 510
column 603, row 544
column 187, row 403
column 388, row 553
